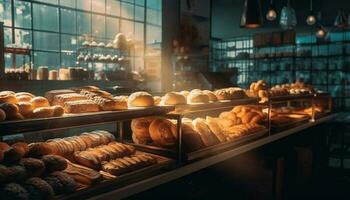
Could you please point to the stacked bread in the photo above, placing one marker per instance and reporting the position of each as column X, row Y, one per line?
column 85, row 99
column 259, row 89
column 230, row 93
column 24, row 105
column 29, row 172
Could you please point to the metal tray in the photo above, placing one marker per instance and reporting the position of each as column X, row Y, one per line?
column 76, row 120
column 164, row 164
column 215, row 149
column 291, row 124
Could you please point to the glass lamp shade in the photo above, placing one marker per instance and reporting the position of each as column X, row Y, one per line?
column 341, row 20
column 288, row 19
column 252, row 15
column 311, row 19
column 271, row 15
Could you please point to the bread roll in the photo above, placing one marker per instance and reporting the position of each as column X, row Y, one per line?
column 141, row 99
column 25, row 93
column 8, row 98
column 39, row 101
column 2, row 115
column 248, row 117
column 122, row 102
column 211, row 95
column 24, row 98
column 222, row 95
column 185, row 93
column 216, row 128
column 39, row 149
column 39, row 189
column 50, row 95
column 26, row 109
column 58, row 111
column 203, row 130
column 163, row 132
column 157, row 100
column 173, row 98
column 63, row 98
column 140, row 129
column 43, row 112
column 197, row 97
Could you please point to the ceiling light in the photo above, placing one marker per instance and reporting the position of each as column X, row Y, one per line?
column 311, row 19
column 321, row 32
column 271, row 14
column 252, row 15
column 341, row 20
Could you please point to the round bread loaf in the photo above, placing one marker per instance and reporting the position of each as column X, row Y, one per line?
column 26, row 109
column 58, row 111
column 163, row 132
column 223, row 94
column 11, row 111
column 140, row 129
column 140, row 99
column 197, row 97
column 8, row 98
column 173, row 98
column 24, row 93
column 185, row 93
column 13, row 155
column 13, row 191
column 39, row 101
column 24, row 98
column 16, row 173
column 211, row 95
column 38, row 188
column 21, row 147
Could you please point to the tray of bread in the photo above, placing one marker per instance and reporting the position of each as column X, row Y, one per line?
column 71, row 167
column 283, row 121
column 200, row 136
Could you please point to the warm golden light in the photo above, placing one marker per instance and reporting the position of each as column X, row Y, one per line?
column 271, row 15
column 320, row 33
column 311, row 20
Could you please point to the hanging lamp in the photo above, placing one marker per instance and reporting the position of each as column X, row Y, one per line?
column 271, row 14
column 321, row 31
column 252, row 15
column 288, row 19
column 341, row 20
column 311, row 19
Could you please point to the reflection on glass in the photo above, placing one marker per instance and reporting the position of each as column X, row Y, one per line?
column 22, row 14
column 5, row 12
column 84, row 5
column 113, row 7
column 98, row 6
column 23, row 37
column 46, row 41
column 68, row 21
column 84, row 23
column 139, row 13
column 52, row 60
column 68, row 3
column 112, row 25
column 45, row 17
column 127, row 11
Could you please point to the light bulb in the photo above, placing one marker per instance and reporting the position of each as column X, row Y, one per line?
column 311, row 20
column 320, row 33
column 271, row 15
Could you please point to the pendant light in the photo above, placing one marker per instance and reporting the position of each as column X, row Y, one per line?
column 271, row 14
column 288, row 19
column 252, row 15
column 311, row 19
column 341, row 20
column 321, row 31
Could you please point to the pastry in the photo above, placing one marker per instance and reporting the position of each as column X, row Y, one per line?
column 54, row 163
column 197, row 97
column 26, row 109
column 13, row 191
column 163, row 132
column 24, row 98
column 38, row 102
column 38, row 189
column 140, row 129
column 173, row 98
column 140, row 99
column 211, row 95
column 64, row 98
column 82, row 106
column 43, row 112
column 11, row 111
column 82, row 175
column 203, row 130
column 61, row 182
column 38, row 149
column 21, row 147
column 34, row 166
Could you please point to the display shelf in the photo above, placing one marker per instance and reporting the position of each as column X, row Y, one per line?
column 146, row 184
column 77, row 120
column 17, row 51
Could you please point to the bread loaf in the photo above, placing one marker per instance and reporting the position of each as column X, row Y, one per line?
column 216, row 128
column 43, row 112
column 207, row 136
column 83, row 175
column 141, row 99
column 140, row 129
column 173, row 98
column 64, row 98
column 82, row 106
column 163, row 132
column 26, row 109
column 197, row 97
column 38, row 102
column 211, row 95
column 50, row 95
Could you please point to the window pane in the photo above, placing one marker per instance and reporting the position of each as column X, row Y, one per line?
column 140, row 2
column 49, row 1
column 52, row 60
column 113, row 7
column 68, row 3
column 68, row 59
column 45, row 17
column 23, row 37
column 68, row 21
column 84, row 4
column 139, row 32
column 68, row 43
column 7, row 36
column 153, row 34
column 127, row 27
column 46, row 41
column 127, row 11
column 139, row 13
column 84, row 23
column 98, row 25
column 22, row 14
column 112, row 27
column 130, row 1
column 154, row 4
column 98, row 6
column 5, row 14
column 154, row 17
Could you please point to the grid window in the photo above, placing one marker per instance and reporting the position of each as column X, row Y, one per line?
column 113, row 7
column 22, row 14
column 68, row 21
column 46, row 41
column 68, row 3
column 6, row 12
column 45, row 17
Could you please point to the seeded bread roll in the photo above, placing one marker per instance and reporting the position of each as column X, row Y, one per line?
column 61, row 182
column 141, row 99
column 39, row 189
column 50, row 95
column 54, row 163
column 34, row 166
column 13, row 191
